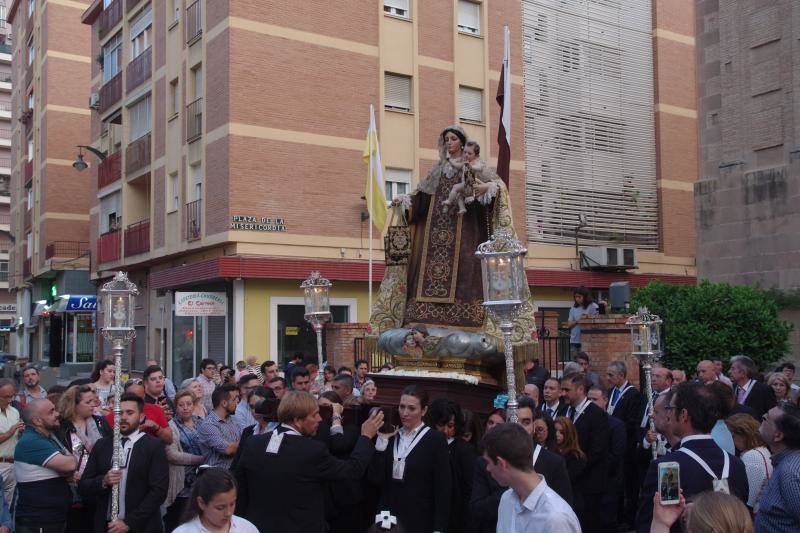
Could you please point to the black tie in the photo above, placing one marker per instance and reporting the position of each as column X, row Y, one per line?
column 124, row 441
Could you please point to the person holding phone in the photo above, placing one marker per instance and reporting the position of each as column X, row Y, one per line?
column 412, row 466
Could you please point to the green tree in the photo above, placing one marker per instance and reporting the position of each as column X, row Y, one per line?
column 715, row 320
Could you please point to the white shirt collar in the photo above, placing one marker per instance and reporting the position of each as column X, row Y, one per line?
column 622, row 388
column 689, row 438
column 413, row 432
column 532, row 500
column 133, row 437
column 554, row 406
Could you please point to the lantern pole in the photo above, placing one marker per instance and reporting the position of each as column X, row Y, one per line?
column 506, row 327
column 118, row 329
column 646, row 340
column 317, row 306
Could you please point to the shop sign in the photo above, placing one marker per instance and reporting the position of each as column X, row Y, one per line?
column 82, row 303
column 201, row 304
column 253, row 223
column 292, row 330
column 8, row 308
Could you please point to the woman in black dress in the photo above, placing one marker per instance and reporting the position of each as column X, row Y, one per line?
column 412, row 466
column 570, row 450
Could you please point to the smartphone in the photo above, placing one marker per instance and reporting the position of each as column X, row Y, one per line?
column 326, row 413
column 669, row 483
column 390, row 417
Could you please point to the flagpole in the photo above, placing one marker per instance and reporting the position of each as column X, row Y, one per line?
column 371, row 179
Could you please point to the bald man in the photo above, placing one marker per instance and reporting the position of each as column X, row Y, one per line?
column 706, row 373
column 531, row 391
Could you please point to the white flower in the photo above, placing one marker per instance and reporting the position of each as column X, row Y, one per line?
column 472, row 380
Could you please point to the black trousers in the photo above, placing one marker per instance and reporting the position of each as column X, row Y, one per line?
column 591, row 517
column 39, row 528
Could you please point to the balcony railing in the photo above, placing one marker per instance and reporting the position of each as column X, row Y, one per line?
column 193, row 220
column 194, row 22
column 194, row 120
column 109, row 247
column 109, row 170
column 110, row 17
column 130, row 4
column 137, row 238
column 26, row 268
column 28, row 170
column 110, row 92
column 139, row 69
column 66, row 249
column 5, row 133
column 137, row 154
column 5, row 218
column 28, row 218
column 5, row 162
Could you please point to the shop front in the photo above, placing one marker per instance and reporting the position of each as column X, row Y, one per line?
column 72, row 329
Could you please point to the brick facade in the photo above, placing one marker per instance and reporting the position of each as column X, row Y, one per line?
column 606, row 338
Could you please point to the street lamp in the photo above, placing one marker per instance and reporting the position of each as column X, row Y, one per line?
column 646, row 341
column 80, row 164
column 504, row 281
column 118, row 316
column 318, row 311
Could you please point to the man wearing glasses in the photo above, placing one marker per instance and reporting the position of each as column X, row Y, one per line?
column 779, row 508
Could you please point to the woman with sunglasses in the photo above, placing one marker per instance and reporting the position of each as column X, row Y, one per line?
column 211, row 505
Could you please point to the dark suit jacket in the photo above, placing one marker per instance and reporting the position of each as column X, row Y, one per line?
column 561, row 410
column 285, row 492
column 146, row 488
column 761, row 398
column 486, row 492
column 592, row 428
column 462, row 468
column 422, row 500
column 616, row 454
column 739, row 409
column 694, row 479
column 630, row 410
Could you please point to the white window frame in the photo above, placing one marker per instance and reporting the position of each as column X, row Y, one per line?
column 29, row 199
column 176, row 8
column 174, row 97
column 141, row 27
column 29, row 245
column 174, row 193
column 467, row 108
column 195, row 176
column 140, row 118
column 469, row 17
column 112, row 57
column 31, row 101
column 394, row 178
column 397, row 8
column 110, row 205
column 197, row 82
column 29, row 155
column 393, row 99
column 31, row 7
column 31, row 52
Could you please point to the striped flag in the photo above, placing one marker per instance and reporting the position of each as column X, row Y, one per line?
column 376, row 200
column 504, row 99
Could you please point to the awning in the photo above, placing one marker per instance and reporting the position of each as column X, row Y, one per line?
column 39, row 310
column 75, row 303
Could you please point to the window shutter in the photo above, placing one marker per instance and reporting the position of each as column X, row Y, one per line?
column 397, row 92
column 470, row 104
column 141, row 23
column 398, row 175
column 469, row 17
column 589, row 124
column 396, row 7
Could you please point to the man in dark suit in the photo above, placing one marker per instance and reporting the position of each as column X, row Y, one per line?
column 144, row 473
column 747, row 391
column 486, row 492
column 615, row 464
column 694, row 409
column 591, row 424
column 625, row 403
column 281, row 475
column 552, row 404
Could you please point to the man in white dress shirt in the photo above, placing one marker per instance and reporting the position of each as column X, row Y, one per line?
column 529, row 505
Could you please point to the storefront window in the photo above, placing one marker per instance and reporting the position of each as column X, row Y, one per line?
column 297, row 335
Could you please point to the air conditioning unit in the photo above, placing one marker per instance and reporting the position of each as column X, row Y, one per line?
column 608, row 258
column 94, row 101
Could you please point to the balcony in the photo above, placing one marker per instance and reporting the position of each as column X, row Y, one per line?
column 109, row 170
column 194, row 120
column 139, row 69
column 28, row 218
column 137, row 238
column 29, row 26
column 66, row 249
column 110, row 92
column 130, row 4
column 5, row 166
column 26, row 268
column 194, row 22
column 110, row 17
column 137, row 154
column 28, row 77
column 5, row 219
column 109, row 247
column 28, row 171
column 193, row 220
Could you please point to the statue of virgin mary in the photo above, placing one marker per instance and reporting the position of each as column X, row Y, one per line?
column 439, row 285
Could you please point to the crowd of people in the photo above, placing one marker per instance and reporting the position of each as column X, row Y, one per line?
column 258, row 448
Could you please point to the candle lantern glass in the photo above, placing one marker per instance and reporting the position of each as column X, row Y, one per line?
column 316, row 298
column 119, row 301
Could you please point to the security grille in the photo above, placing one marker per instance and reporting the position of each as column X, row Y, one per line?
column 589, row 125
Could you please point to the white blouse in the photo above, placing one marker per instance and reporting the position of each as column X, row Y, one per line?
column 238, row 525
column 759, row 469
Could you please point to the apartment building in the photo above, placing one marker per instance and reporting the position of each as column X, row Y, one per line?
column 8, row 306
column 231, row 133
column 49, row 253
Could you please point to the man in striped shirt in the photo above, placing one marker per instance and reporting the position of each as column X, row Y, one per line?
column 220, row 432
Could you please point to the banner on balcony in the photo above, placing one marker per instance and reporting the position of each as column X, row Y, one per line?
column 201, row 304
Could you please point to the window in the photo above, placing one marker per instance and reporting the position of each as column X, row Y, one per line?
column 174, row 193
column 176, row 10
column 4, row 270
column 397, row 181
column 31, row 7
column 196, row 175
column 112, row 57
column 3, row 12
column 197, row 82
column 29, row 198
column 31, row 52
column 470, row 104
column 30, row 101
column 139, row 119
column 106, row 3
column 110, row 213
column 397, row 7
column 469, row 17
column 174, row 98
column 397, row 92
column 29, row 245
column 140, row 33
column 30, row 150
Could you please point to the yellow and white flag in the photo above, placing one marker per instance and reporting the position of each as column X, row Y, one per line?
column 376, row 200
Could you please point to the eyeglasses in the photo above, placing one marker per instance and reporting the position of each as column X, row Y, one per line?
column 539, row 430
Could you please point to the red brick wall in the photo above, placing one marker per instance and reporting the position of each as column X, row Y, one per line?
column 606, row 338
column 339, row 342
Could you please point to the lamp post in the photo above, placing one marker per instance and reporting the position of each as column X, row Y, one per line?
column 118, row 314
column 503, row 269
column 318, row 311
column 646, row 341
